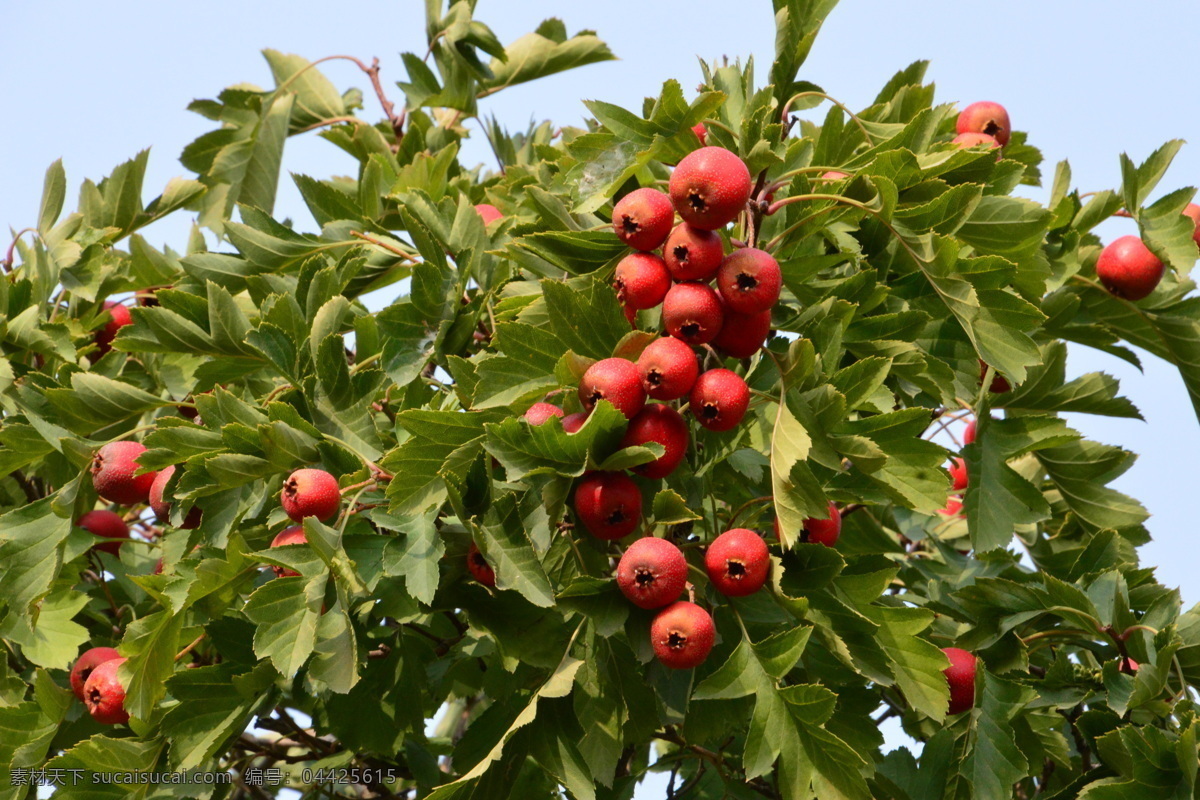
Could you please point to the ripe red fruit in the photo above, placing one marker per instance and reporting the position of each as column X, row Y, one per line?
column 107, row 525
column 737, row 562
column 682, row 635
column 293, row 535
column 104, row 695
column 692, row 254
column 749, row 280
column 693, row 312
column 832, row 175
column 641, row 281
column 967, row 140
column 643, row 218
column 987, row 118
column 1128, row 269
column 479, row 568
column 825, row 531
column 710, row 187
column 969, row 433
column 652, row 572
column 658, row 423
column 573, row 422
column 719, row 399
column 1193, row 211
column 742, row 335
column 1128, row 666
column 489, row 213
column 953, row 507
column 86, row 664
column 1000, row 384
column 539, row 413
column 119, row 318
column 609, row 504
column 958, row 474
column 113, row 469
column 615, row 380
column 701, row 132
column 961, row 677
column 162, row 508
column 668, row 368
column 310, row 493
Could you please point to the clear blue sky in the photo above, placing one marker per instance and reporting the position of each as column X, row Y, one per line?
column 1088, row 79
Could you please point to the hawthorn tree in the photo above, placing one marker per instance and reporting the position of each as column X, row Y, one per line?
column 501, row 575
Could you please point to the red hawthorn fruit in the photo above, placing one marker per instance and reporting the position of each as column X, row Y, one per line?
column 737, row 562
column 749, row 280
column 310, row 493
column 969, row 140
column 961, row 677
column 119, row 317
column 682, row 635
column 479, row 568
column 1128, row 666
column 86, row 664
column 742, row 335
column 832, row 175
column 489, row 213
column 540, row 413
column 658, row 423
column 643, row 218
column 668, row 368
column 113, row 477
column 652, row 573
column 1000, row 384
column 986, row 118
column 609, row 504
column 1128, row 269
column 641, row 281
column 710, row 187
column 958, row 474
column 573, row 422
column 104, row 695
column 615, row 380
column 158, row 567
column 825, row 531
column 692, row 254
column 969, row 433
column 162, row 508
column 701, row 132
column 1193, row 211
column 953, row 507
column 292, row 535
column 693, row 313
column 630, row 315
column 107, row 525
column 719, row 399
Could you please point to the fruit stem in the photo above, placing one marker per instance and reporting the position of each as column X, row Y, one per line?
column 365, row 362
column 191, row 646
column 766, row 498
column 771, row 245
column 366, row 237
column 6, row 265
column 396, row 120
column 722, row 126
column 787, row 107
column 333, row 121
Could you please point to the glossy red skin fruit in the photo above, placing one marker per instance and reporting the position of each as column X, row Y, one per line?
column 573, row 422
column 658, row 423
column 652, row 573
column 1193, row 211
column 749, row 280
column 641, row 280
column 953, row 507
column 710, row 187
column 682, row 635
column 489, row 212
column 825, row 531
column 540, row 413
column 292, row 535
column 701, row 132
column 719, row 399
column 668, row 368
column 692, row 312
column 162, row 508
column 120, row 318
column 113, row 477
column 643, row 218
column 985, row 117
column 615, row 380
column 310, row 493
column 107, row 525
column 692, row 254
column 958, row 474
column 1000, row 384
column 85, row 665
column 743, row 335
column 961, row 677
column 1128, row 269
column 479, row 568
column 969, row 433
column 609, row 504
column 737, row 562
column 104, row 695
column 966, row 140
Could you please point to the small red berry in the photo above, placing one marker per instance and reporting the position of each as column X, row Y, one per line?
column 292, row 535
column 969, row 433
column 969, row 140
column 749, row 280
column 652, row 572
column 692, row 254
column 668, row 368
column 831, row 175
column 1128, row 269
column 310, row 493
column 701, row 132
column 742, row 335
column 986, row 118
column 1193, row 211
column 693, row 312
column 573, row 422
column 719, row 399
column 1000, row 384
column 710, row 187
column 489, row 213
column 958, row 474
column 737, row 562
column 642, row 219
column 119, row 318
column 641, row 280
column 609, row 504
column 479, row 568
column 682, row 635
column 953, row 507
column 540, row 413
column 104, row 695
column 107, row 525
column 113, row 469
column 825, row 531
column 162, row 508
column 960, row 675
column 615, row 380
column 86, row 664
column 658, row 423
column 1128, row 666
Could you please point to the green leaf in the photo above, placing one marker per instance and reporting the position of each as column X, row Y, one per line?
column 214, row 706
column 797, row 494
column 31, row 549
column 150, row 643
column 54, row 191
column 507, row 548
column 525, row 449
column 285, row 612
column 544, row 52
column 587, row 320
column 994, row 762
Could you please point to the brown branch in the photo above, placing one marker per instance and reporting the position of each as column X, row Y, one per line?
column 190, row 647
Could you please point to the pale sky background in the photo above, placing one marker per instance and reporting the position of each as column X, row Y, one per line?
column 1088, row 79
